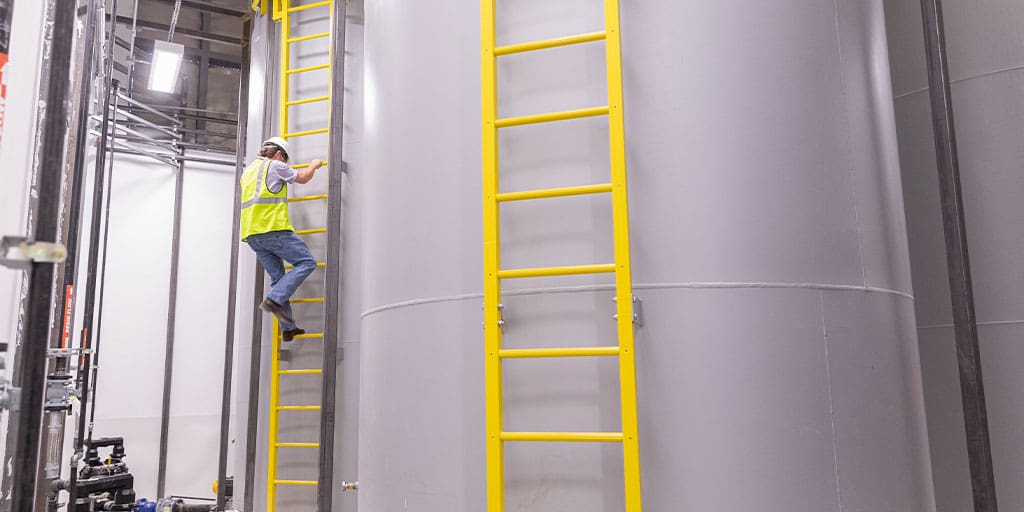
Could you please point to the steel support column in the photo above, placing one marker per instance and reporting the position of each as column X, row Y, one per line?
column 332, row 295
column 172, row 300
column 229, row 338
column 972, row 389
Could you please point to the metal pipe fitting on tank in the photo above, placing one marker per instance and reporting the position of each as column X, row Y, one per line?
column 349, row 486
column 53, row 494
column 55, row 427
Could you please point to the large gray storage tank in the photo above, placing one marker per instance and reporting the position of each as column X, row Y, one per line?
column 777, row 362
column 986, row 62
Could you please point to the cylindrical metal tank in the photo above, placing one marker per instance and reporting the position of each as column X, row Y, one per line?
column 777, row 361
column 986, row 60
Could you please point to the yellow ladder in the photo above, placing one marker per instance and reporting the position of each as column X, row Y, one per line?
column 282, row 11
column 494, row 273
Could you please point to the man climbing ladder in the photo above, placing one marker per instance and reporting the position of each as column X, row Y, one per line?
column 269, row 232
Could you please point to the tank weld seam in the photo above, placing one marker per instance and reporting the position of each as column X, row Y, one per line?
column 991, row 322
column 831, row 400
column 849, row 145
column 964, row 79
column 723, row 285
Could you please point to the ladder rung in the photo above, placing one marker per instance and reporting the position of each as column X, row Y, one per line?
column 303, row 166
column 307, row 100
column 551, row 117
column 579, row 437
column 556, row 271
column 550, row 43
column 311, row 231
column 307, row 38
column 295, row 482
column 307, row 69
column 519, row 353
column 310, row 371
column 307, row 198
column 305, row 133
column 297, row 445
column 308, row 6
column 298, row 407
column 309, row 336
column 318, row 265
column 555, row 192
column 310, row 300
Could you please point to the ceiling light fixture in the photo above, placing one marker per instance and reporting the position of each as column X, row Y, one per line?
column 163, row 72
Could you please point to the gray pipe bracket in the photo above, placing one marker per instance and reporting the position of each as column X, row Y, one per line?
column 17, row 253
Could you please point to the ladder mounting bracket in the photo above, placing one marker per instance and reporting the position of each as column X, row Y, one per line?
column 638, row 311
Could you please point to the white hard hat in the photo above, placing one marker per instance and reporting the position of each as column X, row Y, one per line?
column 279, row 142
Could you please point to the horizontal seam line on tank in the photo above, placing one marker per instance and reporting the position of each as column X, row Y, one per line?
column 964, row 79
column 641, row 286
column 992, row 322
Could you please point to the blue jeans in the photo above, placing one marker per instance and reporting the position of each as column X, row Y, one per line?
column 273, row 249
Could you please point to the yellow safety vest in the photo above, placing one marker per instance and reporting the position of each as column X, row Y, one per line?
column 262, row 210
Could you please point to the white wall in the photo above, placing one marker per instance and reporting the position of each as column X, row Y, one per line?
column 15, row 153
column 134, row 327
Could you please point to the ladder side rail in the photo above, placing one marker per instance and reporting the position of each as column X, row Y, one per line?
column 492, row 254
column 623, row 270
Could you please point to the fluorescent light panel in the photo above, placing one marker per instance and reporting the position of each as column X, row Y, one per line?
column 163, row 72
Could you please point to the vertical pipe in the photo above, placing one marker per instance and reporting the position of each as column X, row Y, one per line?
column 78, row 182
column 332, row 292
column 110, row 101
column 172, row 300
column 36, row 322
column 131, row 48
column 972, row 389
column 229, row 339
column 54, row 436
column 103, row 266
column 89, row 307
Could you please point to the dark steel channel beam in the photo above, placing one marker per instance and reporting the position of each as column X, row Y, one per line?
column 191, row 54
column 212, row 9
column 332, row 295
column 194, row 34
column 229, row 337
column 256, row 346
column 972, row 389
column 39, row 294
column 172, row 304
column 183, row 130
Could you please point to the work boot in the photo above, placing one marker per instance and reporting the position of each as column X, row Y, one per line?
column 290, row 335
column 278, row 310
